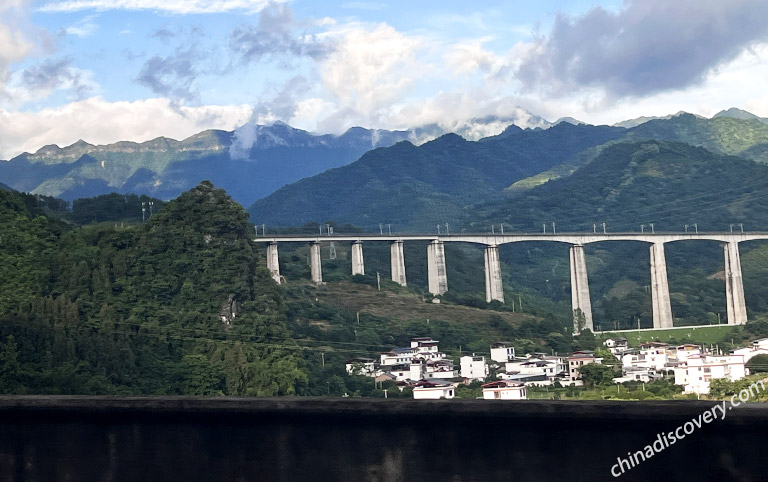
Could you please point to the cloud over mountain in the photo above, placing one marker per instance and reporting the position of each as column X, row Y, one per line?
column 648, row 46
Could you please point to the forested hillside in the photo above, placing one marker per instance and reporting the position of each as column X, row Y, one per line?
column 181, row 304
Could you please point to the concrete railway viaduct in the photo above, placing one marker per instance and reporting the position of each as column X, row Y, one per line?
column 580, row 299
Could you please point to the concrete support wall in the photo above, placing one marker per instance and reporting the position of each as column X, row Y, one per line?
column 358, row 265
column 493, row 287
column 734, row 285
column 580, row 289
column 273, row 262
column 662, row 309
column 438, row 279
column 397, row 263
column 315, row 264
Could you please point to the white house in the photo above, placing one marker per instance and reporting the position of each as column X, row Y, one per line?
column 440, row 369
column 758, row 347
column 683, row 352
column 616, row 345
column 398, row 356
column 636, row 374
column 504, row 390
column 502, row 352
column 550, row 366
column 433, row 391
column 697, row 372
column 652, row 355
column 474, row 367
column 362, row 366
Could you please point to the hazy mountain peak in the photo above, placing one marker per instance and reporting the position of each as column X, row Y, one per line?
column 740, row 114
column 569, row 120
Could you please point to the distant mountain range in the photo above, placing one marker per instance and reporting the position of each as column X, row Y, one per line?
column 255, row 160
column 456, row 181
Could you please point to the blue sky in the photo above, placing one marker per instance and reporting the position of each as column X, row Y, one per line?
column 108, row 70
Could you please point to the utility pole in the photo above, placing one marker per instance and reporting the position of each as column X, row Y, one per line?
column 594, row 228
column 642, row 228
column 603, row 228
column 553, row 227
column 696, row 228
column 263, row 229
column 493, row 230
column 544, row 225
column 741, row 226
column 686, row 229
column 446, row 229
column 652, row 231
column 378, row 280
column 502, row 228
column 322, row 357
column 381, row 229
column 438, row 229
column 731, row 228
column 389, row 228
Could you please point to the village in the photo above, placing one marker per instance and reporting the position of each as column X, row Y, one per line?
column 504, row 375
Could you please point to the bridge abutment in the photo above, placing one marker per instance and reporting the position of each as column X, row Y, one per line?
column 494, row 289
column 662, row 308
column 397, row 262
column 580, row 302
column 436, row 272
column 734, row 285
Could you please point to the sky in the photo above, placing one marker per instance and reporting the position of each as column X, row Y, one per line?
column 110, row 70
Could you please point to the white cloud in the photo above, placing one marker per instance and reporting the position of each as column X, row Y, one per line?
column 369, row 70
column 84, row 27
column 100, row 122
column 14, row 41
column 39, row 81
column 170, row 6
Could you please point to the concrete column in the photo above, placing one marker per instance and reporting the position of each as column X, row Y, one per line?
column 397, row 263
column 315, row 264
column 662, row 309
column 438, row 279
column 580, row 289
column 493, row 287
column 273, row 262
column 734, row 285
column 358, row 265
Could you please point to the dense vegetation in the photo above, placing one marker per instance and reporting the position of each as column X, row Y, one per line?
column 180, row 304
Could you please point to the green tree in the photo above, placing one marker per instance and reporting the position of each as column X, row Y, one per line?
column 594, row 374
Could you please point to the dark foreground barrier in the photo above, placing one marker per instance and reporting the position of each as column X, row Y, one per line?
column 194, row 439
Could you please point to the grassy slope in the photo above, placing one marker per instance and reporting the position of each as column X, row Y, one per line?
column 694, row 334
column 403, row 306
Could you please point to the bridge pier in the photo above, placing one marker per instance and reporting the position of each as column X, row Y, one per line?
column 397, row 262
column 436, row 274
column 734, row 285
column 358, row 264
column 493, row 285
column 273, row 262
column 662, row 308
column 315, row 265
column 580, row 302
